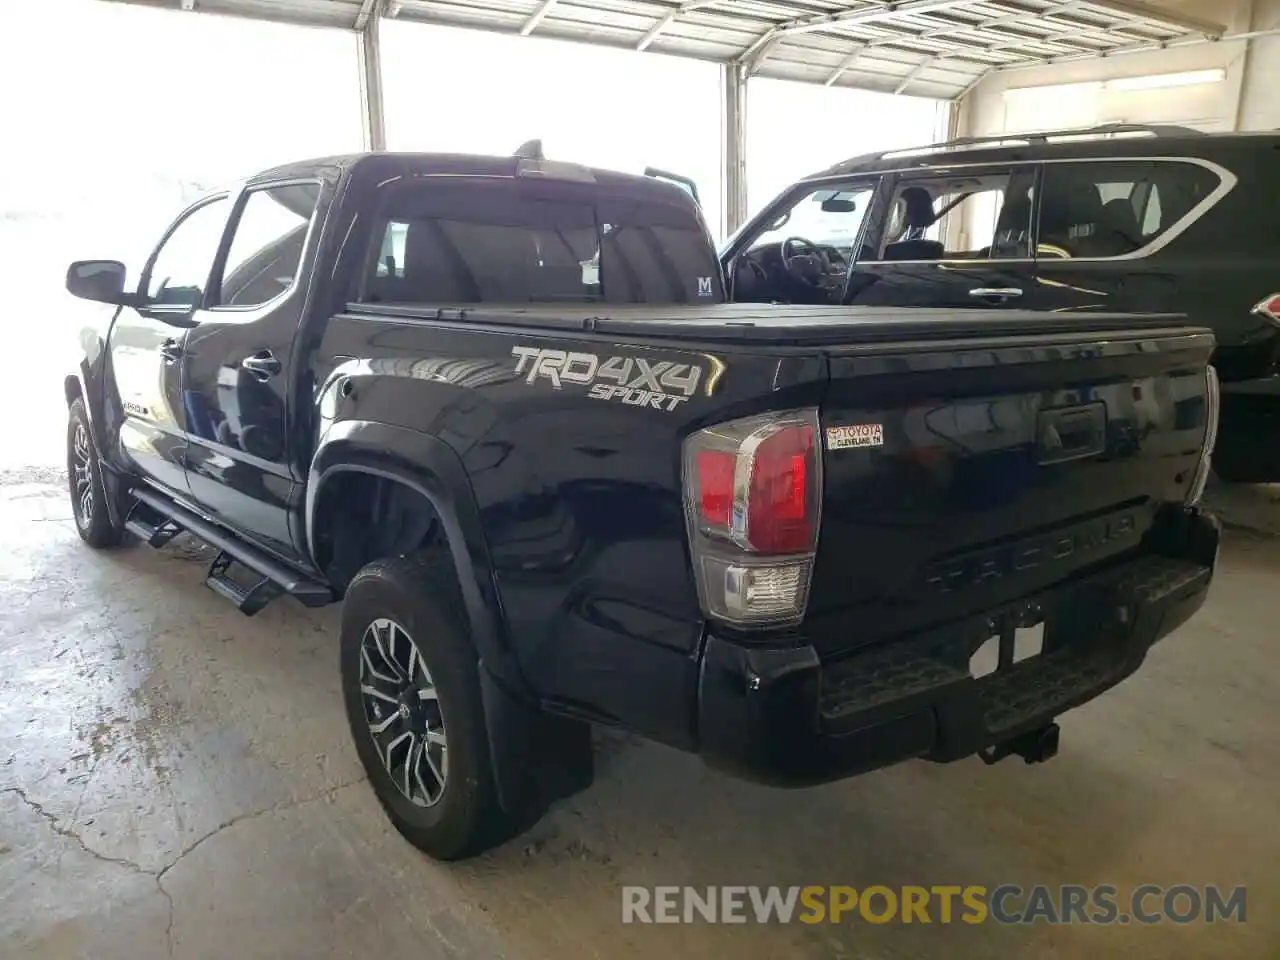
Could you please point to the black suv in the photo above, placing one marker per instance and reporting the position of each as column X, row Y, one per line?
column 1119, row 218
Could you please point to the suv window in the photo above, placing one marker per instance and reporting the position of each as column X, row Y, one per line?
column 180, row 268
column 1113, row 208
column 973, row 216
column 499, row 240
column 266, row 245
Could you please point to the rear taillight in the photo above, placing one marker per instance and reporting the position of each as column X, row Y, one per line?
column 1212, row 403
column 1269, row 308
column 752, row 490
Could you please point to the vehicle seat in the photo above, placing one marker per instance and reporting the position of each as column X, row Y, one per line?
column 1071, row 220
column 919, row 218
column 433, row 268
column 1120, row 232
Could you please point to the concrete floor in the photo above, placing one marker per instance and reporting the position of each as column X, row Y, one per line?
column 176, row 780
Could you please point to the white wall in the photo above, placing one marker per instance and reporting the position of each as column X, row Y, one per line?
column 1246, row 99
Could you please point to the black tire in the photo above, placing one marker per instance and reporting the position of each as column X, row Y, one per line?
column 84, row 482
column 419, row 594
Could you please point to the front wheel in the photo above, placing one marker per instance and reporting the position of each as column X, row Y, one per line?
column 84, row 478
column 410, row 681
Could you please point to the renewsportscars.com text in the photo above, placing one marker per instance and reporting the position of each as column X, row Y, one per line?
column 1004, row 904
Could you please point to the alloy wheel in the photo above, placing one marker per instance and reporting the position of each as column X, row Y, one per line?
column 402, row 710
column 82, row 476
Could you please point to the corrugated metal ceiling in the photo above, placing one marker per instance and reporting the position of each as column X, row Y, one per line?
column 932, row 48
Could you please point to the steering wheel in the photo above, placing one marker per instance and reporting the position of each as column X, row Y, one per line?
column 807, row 266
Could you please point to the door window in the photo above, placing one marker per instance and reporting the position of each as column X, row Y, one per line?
column 180, row 268
column 974, row 216
column 1114, row 208
column 266, row 245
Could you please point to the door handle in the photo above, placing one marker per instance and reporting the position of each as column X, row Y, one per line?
column 171, row 350
column 995, row 293
column 262, row 365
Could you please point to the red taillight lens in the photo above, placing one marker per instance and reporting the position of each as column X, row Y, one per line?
column 752, row 496
column 715, row 486
column 1269, row 308
column 779, row 519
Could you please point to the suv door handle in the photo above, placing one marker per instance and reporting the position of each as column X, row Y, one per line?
column 171, row 350
column 262, row 365
column 995, row 293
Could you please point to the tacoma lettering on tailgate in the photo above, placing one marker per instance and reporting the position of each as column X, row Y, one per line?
column 1100, row 537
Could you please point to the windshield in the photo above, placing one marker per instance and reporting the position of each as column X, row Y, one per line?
column 828, row 216
column 499, row 240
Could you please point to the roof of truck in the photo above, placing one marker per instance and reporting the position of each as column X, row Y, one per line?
column 464, row 164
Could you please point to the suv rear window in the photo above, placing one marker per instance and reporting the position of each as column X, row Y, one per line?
column 498, row 240
column 1113, row 208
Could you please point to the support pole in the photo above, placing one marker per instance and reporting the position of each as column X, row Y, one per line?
column 733, row 145
column 370, row 56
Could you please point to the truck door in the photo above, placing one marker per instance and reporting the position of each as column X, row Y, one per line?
column 146, row 345
column 238, row 366
column 950, row 239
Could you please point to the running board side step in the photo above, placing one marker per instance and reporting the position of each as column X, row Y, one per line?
column 276, row 578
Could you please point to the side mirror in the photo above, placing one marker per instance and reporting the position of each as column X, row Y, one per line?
column 99, row 280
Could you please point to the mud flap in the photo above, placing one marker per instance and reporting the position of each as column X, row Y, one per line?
column 537, row 758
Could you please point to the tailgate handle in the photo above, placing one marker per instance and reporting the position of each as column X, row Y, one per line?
column 995, row 293
column 1071, row 433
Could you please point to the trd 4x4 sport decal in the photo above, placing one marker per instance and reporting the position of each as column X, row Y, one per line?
column 661, row 384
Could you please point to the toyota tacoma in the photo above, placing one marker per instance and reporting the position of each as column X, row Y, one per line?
column 503, row 410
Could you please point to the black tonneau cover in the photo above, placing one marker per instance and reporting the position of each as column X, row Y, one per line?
column 798, row 325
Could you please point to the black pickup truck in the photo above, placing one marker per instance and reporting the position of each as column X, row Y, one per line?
column 501, row 408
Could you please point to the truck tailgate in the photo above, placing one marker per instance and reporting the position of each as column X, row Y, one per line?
column 959, row 476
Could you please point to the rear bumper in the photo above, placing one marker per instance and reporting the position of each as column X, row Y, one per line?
column 781, row 715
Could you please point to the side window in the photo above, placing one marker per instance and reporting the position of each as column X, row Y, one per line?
column 180, row 268
column 266, row 244
column 1109, row 209
column 975, row 216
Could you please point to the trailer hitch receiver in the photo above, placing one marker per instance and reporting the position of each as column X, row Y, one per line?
column 1035, row 746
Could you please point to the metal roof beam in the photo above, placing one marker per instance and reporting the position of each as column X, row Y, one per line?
column 844, row 65
column 1186, row 40
column 367, row 9
column 918, row 69
column 897, row 11
column 653, row 32
column 890, row 12
column 537, row 17
column 1141, row 11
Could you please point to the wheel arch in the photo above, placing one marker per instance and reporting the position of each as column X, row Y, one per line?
column 431, row 469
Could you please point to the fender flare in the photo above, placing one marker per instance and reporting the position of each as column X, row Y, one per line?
column 432, row 468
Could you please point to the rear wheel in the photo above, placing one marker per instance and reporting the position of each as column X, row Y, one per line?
column 410, row 678
column 84, row 478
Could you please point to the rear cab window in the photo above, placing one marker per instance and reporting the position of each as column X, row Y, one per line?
column 444, row 239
